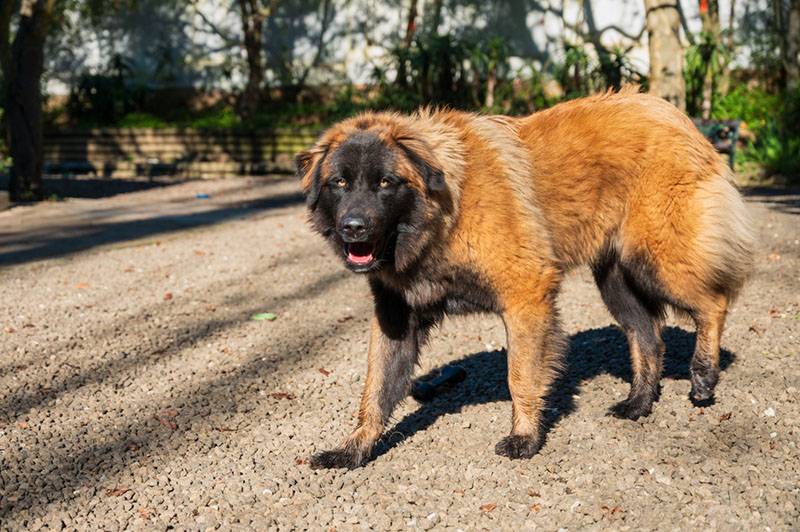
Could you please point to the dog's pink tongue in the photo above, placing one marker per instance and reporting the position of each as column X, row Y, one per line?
column 359, row 253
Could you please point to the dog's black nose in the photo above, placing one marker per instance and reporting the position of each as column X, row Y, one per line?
column 354, row 226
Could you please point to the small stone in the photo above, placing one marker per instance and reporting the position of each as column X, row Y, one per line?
column 663, row 479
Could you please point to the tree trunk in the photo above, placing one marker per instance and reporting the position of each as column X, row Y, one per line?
column 709, row 11
column 6, row 12
column 411, row 24
column 731, row 25
column 491, row 84
column 24, row 101
column 253, row 17
column 791, row 56
column 724, row 78
column 436, row 16
column 476, row 84
column 666, row 51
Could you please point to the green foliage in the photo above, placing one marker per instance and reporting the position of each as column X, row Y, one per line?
column 431, row 71
column 694, row 77
column 616, row 68
column 761, row 34
column 580, row 74
column 219, row 118
column 489, row 55
column 489, row 61
column 524, row 95
column 576, row 75
column 104, row 98
column 708, row 57
column 774, row 120
column 145, row 120
column 458, row 72
column 5, row 162
column 771, row 115
column 754, row 105
column 313, row 111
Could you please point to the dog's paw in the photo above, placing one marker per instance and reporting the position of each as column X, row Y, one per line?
column 703, row 383
column 517, row 446
column 344, row 458
column 631, row 408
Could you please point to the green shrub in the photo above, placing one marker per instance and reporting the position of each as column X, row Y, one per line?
column 577, row 74
column 774, row 120
column 525, row 95
column 142, row 120
column 753, row 105
column 219, row 118
column 431, row 71
column 103, row 99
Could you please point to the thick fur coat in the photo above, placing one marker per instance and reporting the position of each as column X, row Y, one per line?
column 457, row 213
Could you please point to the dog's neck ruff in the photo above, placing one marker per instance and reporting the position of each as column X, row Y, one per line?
column 444, row 140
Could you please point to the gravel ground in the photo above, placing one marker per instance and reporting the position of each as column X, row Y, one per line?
column 136, row 392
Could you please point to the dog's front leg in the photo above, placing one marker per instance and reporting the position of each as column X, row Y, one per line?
column 534, row 354
column 396, row 335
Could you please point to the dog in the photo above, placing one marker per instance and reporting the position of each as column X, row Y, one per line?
column 448, row 212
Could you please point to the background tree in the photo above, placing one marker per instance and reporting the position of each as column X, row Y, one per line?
column 791, row 46
column 253, row 15
column 666, row 51
column 404, row 52
column 490, row 59
column 411, row 23
column 710, row 52
column 23, row 64
column 434, row 17
column 728, row 44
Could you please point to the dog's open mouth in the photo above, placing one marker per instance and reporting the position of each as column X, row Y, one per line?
column 360, row 253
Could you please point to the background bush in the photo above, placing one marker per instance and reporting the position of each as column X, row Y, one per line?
column 774, row 121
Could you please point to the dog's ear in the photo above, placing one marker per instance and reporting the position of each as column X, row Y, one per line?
column 309, row 170
column 421, row 156
column 302, row 162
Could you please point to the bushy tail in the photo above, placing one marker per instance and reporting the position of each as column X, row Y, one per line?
column 726, row 234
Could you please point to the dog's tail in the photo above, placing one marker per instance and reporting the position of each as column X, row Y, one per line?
column 726, row 236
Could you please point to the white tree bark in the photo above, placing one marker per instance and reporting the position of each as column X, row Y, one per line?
column 666, row 51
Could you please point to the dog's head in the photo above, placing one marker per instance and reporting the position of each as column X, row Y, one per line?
column 372, row 187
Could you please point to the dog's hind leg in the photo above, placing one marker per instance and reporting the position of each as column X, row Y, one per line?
column 704, row 367
column 695, row 256
column 640, row 318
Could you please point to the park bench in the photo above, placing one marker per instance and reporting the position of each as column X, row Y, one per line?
column 723, row 134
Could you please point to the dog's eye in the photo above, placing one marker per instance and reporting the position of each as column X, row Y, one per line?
column 385, row 183
column 340, row 182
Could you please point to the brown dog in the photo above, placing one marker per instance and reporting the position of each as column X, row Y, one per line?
column 450, row 213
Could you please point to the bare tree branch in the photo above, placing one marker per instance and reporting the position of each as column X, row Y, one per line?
column 230, row 41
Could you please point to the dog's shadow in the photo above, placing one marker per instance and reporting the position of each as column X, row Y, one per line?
column 590, row 353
